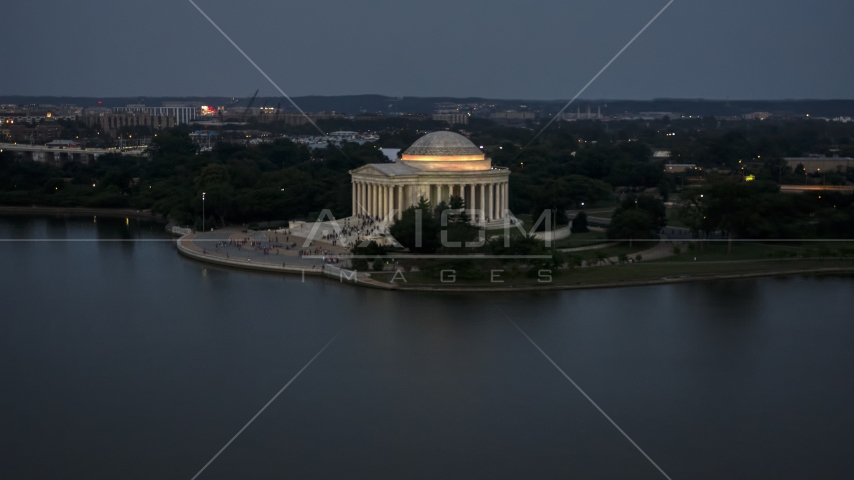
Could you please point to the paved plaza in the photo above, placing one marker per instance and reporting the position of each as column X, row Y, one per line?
column 269, row 246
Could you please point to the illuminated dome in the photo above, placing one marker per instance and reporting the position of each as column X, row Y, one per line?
column 446, row 151
column 443, row 144
column 437, row 167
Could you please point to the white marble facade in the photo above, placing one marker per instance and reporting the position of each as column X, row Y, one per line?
column 437, row 166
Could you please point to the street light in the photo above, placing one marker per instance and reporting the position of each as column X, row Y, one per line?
column 203, row 211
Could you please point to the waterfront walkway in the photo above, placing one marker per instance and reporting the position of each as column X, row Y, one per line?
column 267, row 247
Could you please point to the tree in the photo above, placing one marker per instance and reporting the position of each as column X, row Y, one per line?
column 440, row 208
column 360, row 254
column 378, row 264
column 652, row 206
column 579, row 223
column 219, row 194
column 416, row 217
column 553, row 197
column 359, row 264
column 632, row 225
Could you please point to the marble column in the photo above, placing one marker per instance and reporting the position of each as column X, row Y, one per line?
column 500, row 201
column 491, row 191
column 504, row 201
column 353, row 187
column 483, row 201
column 380, row 200
column 399, row 202
column 506, row 197
column 472, row 202
column 386, row 198
column 497, row 201
column 358, row 187
column 367, row 201
column 495, row 206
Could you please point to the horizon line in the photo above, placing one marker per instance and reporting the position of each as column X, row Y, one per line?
column 659, row 99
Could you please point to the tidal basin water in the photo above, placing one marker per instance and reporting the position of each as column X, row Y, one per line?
column 122, row 359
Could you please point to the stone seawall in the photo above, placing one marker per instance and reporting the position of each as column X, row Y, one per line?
column 186, row 248
column 81, row 211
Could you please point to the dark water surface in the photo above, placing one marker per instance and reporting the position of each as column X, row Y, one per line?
column 126, row 360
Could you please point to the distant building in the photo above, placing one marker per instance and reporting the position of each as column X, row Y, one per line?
column 38, row 134
column 114, row 121
column 294, row 118
column 452, row 118
column 511, row 115
column 204, row 138
column 821, row 164
column 579, row 115
column 182, row 113
column 679, row 167
column 757, row 116
column 37, row 113
column 659, row 115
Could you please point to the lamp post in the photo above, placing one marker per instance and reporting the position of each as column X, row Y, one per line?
column 203, row 211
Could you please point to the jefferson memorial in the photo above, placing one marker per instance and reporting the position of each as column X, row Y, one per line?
column 437, row 166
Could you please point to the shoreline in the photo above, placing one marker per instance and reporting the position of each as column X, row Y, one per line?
column 81, row 211
column 368, row 282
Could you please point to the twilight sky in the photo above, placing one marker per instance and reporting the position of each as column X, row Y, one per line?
column 536, row 49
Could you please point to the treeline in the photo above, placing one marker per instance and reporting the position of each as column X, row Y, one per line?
column 281, row 180
column 585, row 163
column 573, row 165
column 757, row 210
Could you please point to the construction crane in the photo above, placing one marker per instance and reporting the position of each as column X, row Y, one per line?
column 246, row 110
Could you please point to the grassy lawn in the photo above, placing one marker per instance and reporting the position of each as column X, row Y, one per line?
column 615, row 251
column 717, row 251
column 602, row 212
column 529, row 223
column 581, row 239
column 745, row 258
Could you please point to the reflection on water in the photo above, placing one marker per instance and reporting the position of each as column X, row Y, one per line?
column 126, row 360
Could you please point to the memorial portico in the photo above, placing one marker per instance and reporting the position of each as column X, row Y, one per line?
column 436, row 167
